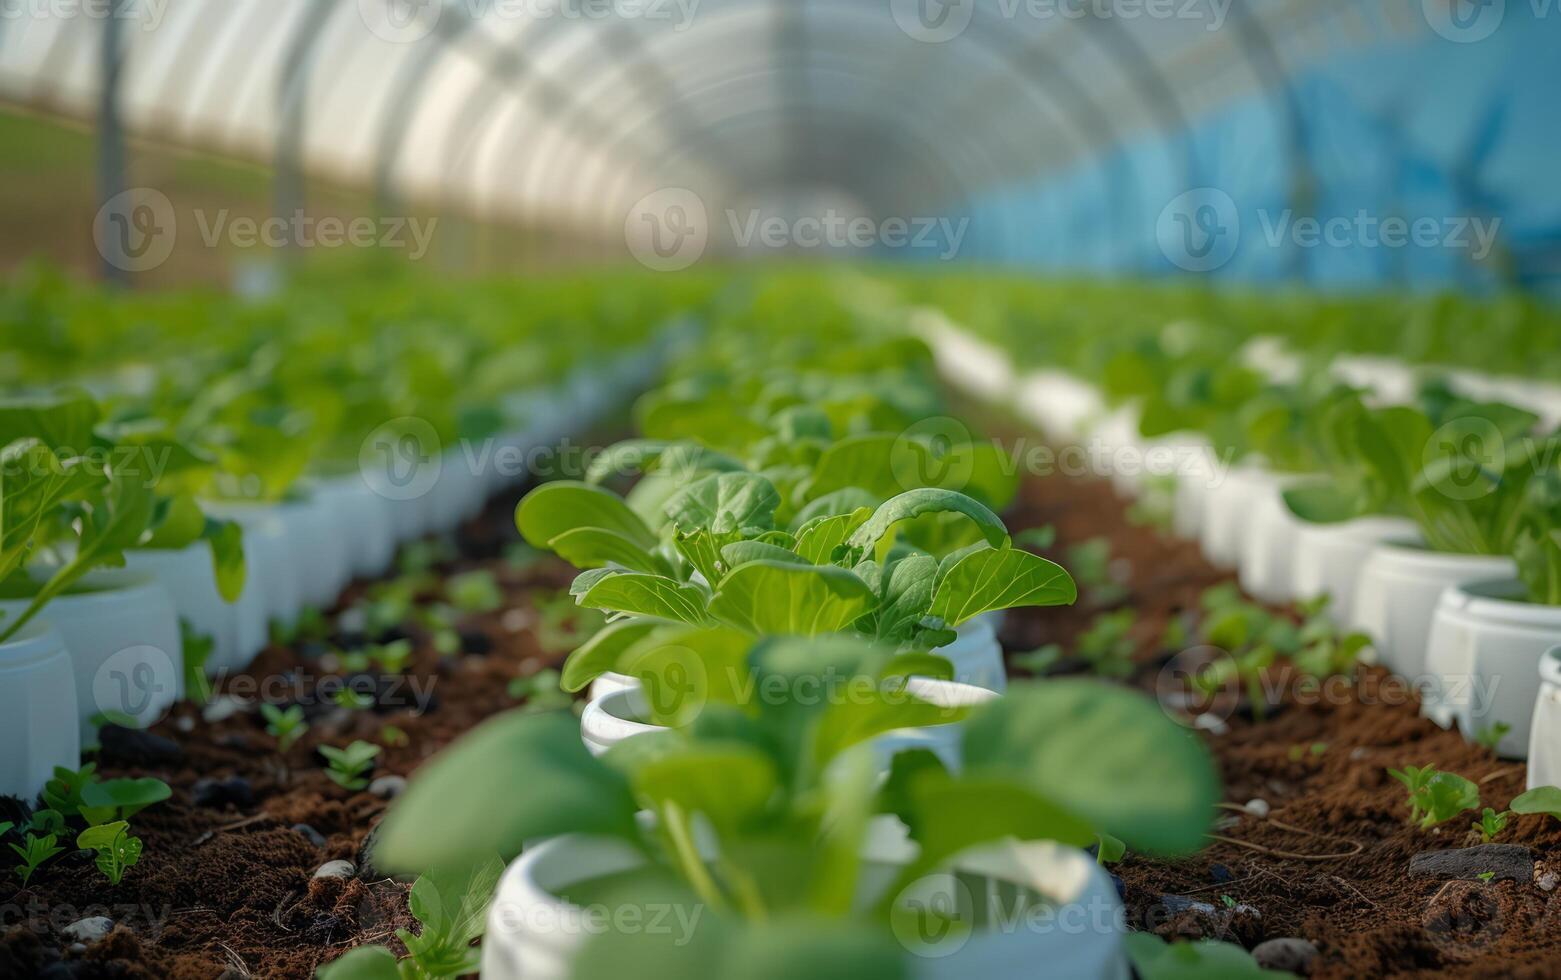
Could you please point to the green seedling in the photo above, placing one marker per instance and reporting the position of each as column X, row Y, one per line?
column 1040, row 661
column 1108, row 849
column 286, row 725
column 1491, row 824
column 1091, row 566
column 63, row 792
column 1037, row 539
column 475, row 592
column 391, row 657
column 540, row 691
column 348, row 766
column 1540, row 799
column 1491, row 735
column 1436, row 797
column 1108, row 644
column 393, row 737
column 1486, row 876
column 34, row 851
column 117, row 850
column 1155, row 959
column 120, row 799
column 198, row 648
column 352, row 699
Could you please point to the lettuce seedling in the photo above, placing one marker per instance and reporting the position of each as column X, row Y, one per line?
column 352, row 699
column 1540, row 799
column 1491, row 824
column 475, row 592
column 1491, row 735
column 1108, row 644
column 120, row 799
column 117, row 850
column 1436, row 797
column 1537, row 549
column 348, row 766
column 391, row 657
column 34, row 851
column 287, row 725
column 63, row 792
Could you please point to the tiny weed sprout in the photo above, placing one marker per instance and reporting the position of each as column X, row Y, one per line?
column 1540, row 799
column 117, row 850
column 120, row 799
column 391, row 657
column 540, row 691
column 1486, row 876
column 1491, row 735
column 392, row 737
column 1491, row 824
column 348, row 767
column 63, row 792
column 286, row 725
column 33, row 852
column 1108, row 644
column 475, row 592
column 1436, row 797
column 352, row 699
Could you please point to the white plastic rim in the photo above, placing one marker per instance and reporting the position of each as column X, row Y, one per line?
column 237, row 629
column 1229, row 507
column 533, row 934
column 1266, row 567
column 124, row 644
column 969, row 364
column 1544, row 746
column 38, row 709
column 1061, row 405
column 1188, row 508
column 367, row 520
column 1487, row 642
column 1328, row 558
column 313, row 548
column 616, row 717
column 1397, row 593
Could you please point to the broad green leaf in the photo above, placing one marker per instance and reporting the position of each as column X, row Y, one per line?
column 1323, row 503
column 742, row 552
column 102, row 836
column 702, row 548
column 1204, row 959
column 452, row 903
column 711, row 420
column 600, row 653
column 914, row 503
column 178, row 523
column 1540, row 799
column 951, row 815
column 554, row 509
column 883, row 464
column 821, row 949
column 820, row 537
column 647, row 595
column 594, row 547
column 460, row 808
column 729, row 783
column 683, row 669
column 62, row 422
column 841, row 502
column 767, row 597
column 362, row 963
column 1007, row 578
column 225, row 539
column 725, row 503
column 626, row 458
column 1104, row 753
column 906, row 597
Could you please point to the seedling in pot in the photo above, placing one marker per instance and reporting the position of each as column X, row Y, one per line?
column 286, row 725
column 349, row 767
column 1491, row 735
column 34, row 851
column 117, row 849
column 1491, row 824
column 1436, row 797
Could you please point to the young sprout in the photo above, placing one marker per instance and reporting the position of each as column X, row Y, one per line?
column 117, row 849
column 286, row 726
column 63, row 792
column 1486, row 876
column 1491, row 735
column 1039, row 661
column 1108, row 645
column 391, row 657
column 348, row 766
column 34, row 851
column 1436, row 797
column 393, row 737
column 1491, row 824
column 540, row 691
column 352, row 699
column 1092, row 568
column 1540, row 799
column 1036, row 538
column 475, row 592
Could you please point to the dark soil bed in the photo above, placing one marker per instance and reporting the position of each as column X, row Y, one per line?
column 226, row 889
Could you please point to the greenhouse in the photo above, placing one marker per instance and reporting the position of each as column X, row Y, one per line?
column 827, row 489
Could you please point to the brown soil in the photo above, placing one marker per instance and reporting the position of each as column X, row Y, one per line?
column 227, row 891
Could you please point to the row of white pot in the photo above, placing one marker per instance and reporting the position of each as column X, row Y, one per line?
column 1076, row 925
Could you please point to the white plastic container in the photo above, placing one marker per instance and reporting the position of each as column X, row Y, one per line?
column 268, row 554
column 237, row 629
column 37, row 710
column 460, row 490
column 533, row 934
column 366, row 520
column 1486, row 644
column 1059, row 404
column 1328, row 558
column 122, row 633
column 311, row 566
column 1229, row 508
column 1398, row 591
column 1266, row 567
column 619, row 716
column 1544, row 747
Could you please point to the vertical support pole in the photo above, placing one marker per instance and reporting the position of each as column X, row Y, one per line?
column 292, row 98
column 111, row 139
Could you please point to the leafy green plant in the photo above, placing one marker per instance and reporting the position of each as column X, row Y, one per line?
column 1540, row 799
column 393, row 737
column 34, row 851
column 1537, row 548
column 286, row 725
column 540, row 691
column 475, row 592
column 352, row 699
column 1436, row 797
column 347, row 767
column 120, row 799
column 1090, row 563
column 1108, row 644
column 1491, row 735
column 391, row 657
column 1155, row 959
column 63, row 792
column 116, row 848
column 1491, row 824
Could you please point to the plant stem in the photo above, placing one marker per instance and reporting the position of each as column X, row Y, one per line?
column 679, row 830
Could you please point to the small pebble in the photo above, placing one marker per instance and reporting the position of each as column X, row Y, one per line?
column 388, row 787
column 1289, row 955
column 1358, row 753
column 1548, row 881
column 89, row 930
column 309, row 834
column 354, row 619
column 76, row 948
column 336, row 869
column 1258, row 807
column 223, row 708
column 1213, row 724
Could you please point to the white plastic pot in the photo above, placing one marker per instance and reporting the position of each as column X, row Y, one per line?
column 1062, row 406
column 366, row 519
column 1328, row 558
column 459, row 492
column 311, row 566
column 122, row 633
column 37, row 710
column 619, row 715
column 1486, row 644
column 970, row 365
column 237, row 629
column 1544, row 746
column 1398, row 591
column 1266, row 567
column 533, row 934
column 268, row 555
column 1229, row 508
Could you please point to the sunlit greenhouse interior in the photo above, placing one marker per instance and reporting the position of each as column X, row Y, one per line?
column 767, row 489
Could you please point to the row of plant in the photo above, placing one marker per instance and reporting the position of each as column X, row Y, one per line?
column 180, row 471
column 782, row 760
column 1431, row 517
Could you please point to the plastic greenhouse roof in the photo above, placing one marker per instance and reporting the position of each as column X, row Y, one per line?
column 546, row 109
